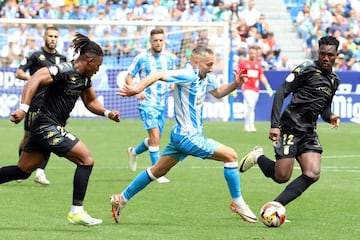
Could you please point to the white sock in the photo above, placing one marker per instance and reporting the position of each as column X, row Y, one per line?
column 39, row 171
column 239, row 201
column 76, row 209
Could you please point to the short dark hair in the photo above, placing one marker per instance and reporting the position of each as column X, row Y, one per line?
column 329, row 40
column 157, row 31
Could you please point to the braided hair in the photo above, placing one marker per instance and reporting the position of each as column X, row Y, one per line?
column 81, row 45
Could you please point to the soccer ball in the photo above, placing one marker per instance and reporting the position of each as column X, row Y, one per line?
column 273, row 214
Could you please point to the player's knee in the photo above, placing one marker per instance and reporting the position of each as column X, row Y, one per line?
column 232, row 156
column 281, row 178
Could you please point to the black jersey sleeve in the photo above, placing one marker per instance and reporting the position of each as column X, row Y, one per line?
column 291, row 84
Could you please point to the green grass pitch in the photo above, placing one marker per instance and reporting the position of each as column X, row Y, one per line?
column 194, row 205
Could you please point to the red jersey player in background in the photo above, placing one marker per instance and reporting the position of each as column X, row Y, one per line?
column 251, row 87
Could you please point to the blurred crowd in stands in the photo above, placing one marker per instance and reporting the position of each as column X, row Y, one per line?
column 339, row 18
column 248, row 26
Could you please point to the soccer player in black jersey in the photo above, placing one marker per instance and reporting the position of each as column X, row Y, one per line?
column 313, row 86
column 36, row 59
column 65, row 82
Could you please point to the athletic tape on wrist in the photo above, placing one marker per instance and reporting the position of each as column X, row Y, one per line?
column 106, row 113
column 24, row 107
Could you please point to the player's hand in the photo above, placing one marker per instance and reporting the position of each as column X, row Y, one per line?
column 127, row 91
column 240, row 77
column 17, row 115
column 269, row 90
column 334, row 121
column 114, row 115
column 274, row 135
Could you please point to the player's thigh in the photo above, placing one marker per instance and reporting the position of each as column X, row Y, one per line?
column 284, row 168
column 224, row 153
column 310, row 163
column 29, row 161
column 80, row 154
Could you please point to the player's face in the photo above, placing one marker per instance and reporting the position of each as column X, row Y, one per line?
column 327, row 56
column 157, row 42
column 93, row 64
column 50, row 39
column 206, row 64
column 252, row 54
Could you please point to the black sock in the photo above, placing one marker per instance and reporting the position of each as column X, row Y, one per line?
column 294, row 189
column 81, row 179
column 46, row 160
column 10, row 173
column 267, row 166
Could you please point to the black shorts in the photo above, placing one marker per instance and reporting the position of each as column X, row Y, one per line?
column 30, row 115
column 46, row 136
column 293, row 143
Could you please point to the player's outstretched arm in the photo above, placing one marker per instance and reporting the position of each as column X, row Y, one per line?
column 94, row 106
column 131, row 90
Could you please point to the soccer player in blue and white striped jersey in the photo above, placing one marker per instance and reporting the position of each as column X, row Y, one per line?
column 152, row 101
column 191, row 85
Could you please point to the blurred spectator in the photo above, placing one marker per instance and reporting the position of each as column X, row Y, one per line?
column 351, row 43
column 354, row 21
column 189, row 14
column 110, row 13
column 339, row 23
column 217, row 41
column 29, row 46
column 220, row 12
column 339, row 37
column 11, row 53
column 47, row 12
column 233, row 15
column 122, row 11
column 76, row 13
column 356, row 65
column 21, row 35
column 180, row 5
column 304, row 22
column 63, row 12
column 337, row 8
column 203, row 15
column 252, row 36
column 91, row 12
column 139, row 12
column 100, row 29
column 10, row 9
column 269, row 47
column 27, row 9
column 125, row 45
column 156, row 12
column 202, row 39
column 347, row 54
column 262, row 26
column 325, row 16
column 242, row 29
column 340, row 63
column 37, row 34
column 250, row 13
column 284, row 64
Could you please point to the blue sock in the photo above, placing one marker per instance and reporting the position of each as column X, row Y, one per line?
column 142, row 147
column 232, row 178
column 154, row 154
column 139, row 183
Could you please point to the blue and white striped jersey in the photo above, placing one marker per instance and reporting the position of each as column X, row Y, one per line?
column 189, row 96
column 146, row 63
